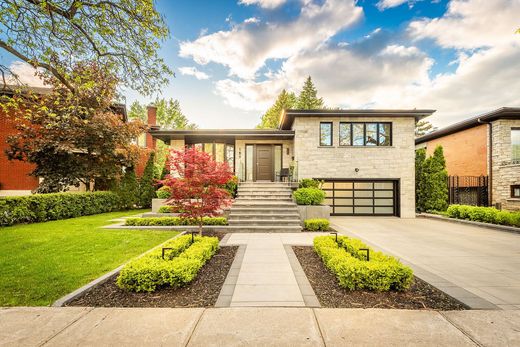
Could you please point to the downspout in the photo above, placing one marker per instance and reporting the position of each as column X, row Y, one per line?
column 490, row 160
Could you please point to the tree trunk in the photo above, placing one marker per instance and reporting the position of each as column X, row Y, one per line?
column 200, row 226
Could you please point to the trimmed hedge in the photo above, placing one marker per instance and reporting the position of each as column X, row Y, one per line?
column 179, row 266
column 484, row 214
column 174, row 221
column 166, row 209
column 44, row 207
column 317, row 224
column 348, row 263
column 309, row 196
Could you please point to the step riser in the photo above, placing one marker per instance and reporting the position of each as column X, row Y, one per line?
column 264, row 212
column 273, row 223
column 265, row 216
column 265, row 196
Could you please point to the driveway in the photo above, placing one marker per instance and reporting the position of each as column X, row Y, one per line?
column 470, row 263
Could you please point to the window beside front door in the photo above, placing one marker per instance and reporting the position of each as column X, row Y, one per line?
column 515, row 145
column 326, row 134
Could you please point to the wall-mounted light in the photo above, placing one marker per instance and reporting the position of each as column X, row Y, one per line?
column 287, row 150
column 356, row 169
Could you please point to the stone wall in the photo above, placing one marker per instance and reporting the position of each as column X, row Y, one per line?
column 393, row 162
column 504, row 172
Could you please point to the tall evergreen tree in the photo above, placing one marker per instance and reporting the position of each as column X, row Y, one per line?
column 270, row 119
column 435, row 187
column 308, row 98
column 128, row 189
column 146, row 187
column 420, row 157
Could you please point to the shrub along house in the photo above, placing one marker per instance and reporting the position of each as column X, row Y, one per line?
column 365, row 157
column 483, row 147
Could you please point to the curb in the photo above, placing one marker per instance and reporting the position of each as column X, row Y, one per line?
column 102, row 279
column 469, row 222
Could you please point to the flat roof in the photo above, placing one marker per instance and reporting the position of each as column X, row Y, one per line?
column 196, row 135
column 288, row 116
column 500, row 113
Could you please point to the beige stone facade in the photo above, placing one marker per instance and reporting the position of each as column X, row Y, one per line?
column 394, row 162
column 504, row 172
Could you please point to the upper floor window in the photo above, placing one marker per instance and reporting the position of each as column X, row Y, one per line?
column 515, row 191
column 326, row 134
column 515, row 144
column 365, row 134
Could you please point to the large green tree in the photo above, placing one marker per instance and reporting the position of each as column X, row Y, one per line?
column 122, row 37
column 169, row 114
column 434, row 183
column 72, row 138
column 286, row 100
column 420, row 157
column 137, row 111
column 308, row 98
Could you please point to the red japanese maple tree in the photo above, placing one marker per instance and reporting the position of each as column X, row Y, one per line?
column 197, row 184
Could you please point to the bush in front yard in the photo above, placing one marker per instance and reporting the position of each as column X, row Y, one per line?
column 174, row 221
column 164, row 192
column 346, row 260
column 309, row 196
column 166, row 209
column 179, row 266
column 310, row 183
column 44, row 207
column 484, row 214
column 317, row 224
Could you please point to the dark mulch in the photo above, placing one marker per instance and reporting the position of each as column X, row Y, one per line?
column 421, row 295
column 202, row 292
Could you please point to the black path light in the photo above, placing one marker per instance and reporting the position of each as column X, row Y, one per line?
column 335, row 233
column 368, row 252
column 165, row 249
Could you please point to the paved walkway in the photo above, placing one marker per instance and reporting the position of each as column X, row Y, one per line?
column 74, row 326
column 468, row 262
column 266, row 276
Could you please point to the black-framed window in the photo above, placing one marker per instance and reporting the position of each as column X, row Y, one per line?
column 515, row 191
column 365, row 134
column 515, row 144
column 326, row 134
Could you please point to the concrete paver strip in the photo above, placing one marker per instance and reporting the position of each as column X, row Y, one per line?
column 489, row 328
column 254, row 326
column 484, row 262
column 378, row 327
column 130, row 327
column 33, row 326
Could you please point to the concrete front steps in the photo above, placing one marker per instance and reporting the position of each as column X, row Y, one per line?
column 264, row 207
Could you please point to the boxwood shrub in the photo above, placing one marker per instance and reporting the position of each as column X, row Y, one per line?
column 345, row 259
column 317, row 224
column 166, row 209
column 174, row 221
column 179, row 267
column 45, row 207
column 164, row 192
column 309, row 196
column 484, row 214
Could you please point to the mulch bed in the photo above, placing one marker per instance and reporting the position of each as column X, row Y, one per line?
column 202, row 292
column 421, row 295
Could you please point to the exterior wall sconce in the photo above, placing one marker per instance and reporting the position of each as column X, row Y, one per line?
column 356, row 169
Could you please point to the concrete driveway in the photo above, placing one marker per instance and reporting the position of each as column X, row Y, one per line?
column 479, row 266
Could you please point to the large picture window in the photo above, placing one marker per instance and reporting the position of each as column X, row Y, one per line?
column 365, row 134
column 326, row 134
column 220, row 152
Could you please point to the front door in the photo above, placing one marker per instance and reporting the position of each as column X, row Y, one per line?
column 264, row 162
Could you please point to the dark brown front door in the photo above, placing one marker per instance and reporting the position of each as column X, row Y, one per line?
column 264, row 162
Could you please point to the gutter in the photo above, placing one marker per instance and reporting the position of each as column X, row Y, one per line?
column 490, row 159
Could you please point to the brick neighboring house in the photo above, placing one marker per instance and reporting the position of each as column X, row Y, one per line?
column 15, row 176
column 486, row 145
column 365, row 157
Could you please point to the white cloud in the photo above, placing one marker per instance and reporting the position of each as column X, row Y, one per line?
column 269, row 4
column 25, row 73
column 384, row 4
column 471, row 24
column 193, row 71
column 246, row 47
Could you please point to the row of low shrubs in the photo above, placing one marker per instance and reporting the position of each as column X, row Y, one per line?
column 179, row 266
column 484, row 214
column 316, row 224
column 174, row 221
column 166, row 209
column 346, row 260
column 44, row 207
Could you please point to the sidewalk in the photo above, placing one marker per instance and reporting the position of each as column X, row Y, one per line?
column 50, row 326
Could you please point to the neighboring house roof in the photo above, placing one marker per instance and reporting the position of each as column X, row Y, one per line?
column 201, row 134
column 288, row 116
column 501, row 113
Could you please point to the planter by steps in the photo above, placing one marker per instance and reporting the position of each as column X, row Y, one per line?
column 314, row 211
column 156, row 204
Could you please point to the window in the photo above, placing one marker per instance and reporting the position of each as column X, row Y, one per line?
column 249, row 162
column 220, row 152
column 365, row 134
column 230, row 156
column 515, row 191
column 326, row 134
column 515, row 145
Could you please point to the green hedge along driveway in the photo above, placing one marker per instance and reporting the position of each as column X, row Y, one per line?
column 41, row 262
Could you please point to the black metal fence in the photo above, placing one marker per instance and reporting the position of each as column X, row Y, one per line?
column 468, row 190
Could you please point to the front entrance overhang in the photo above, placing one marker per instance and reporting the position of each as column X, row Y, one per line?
column 225, row 135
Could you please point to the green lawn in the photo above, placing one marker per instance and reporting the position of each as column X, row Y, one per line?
column 41, row 262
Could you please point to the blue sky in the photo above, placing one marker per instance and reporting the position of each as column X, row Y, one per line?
column 232, row 57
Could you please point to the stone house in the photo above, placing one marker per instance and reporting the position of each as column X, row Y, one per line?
column 365, row 157
column 486, row 145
